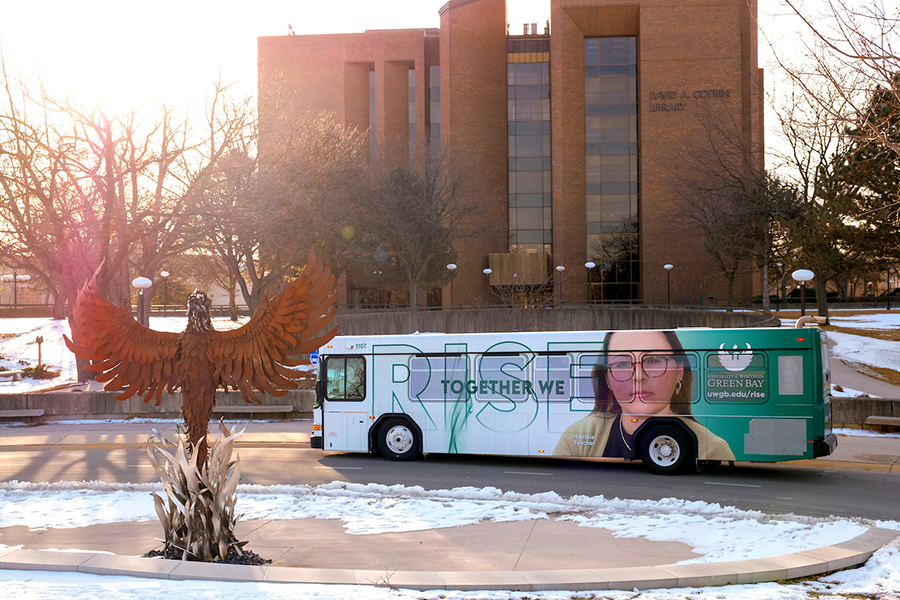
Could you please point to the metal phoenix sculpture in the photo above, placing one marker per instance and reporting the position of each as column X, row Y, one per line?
column 140, row 360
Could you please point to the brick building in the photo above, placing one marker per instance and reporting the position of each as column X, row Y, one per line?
column 584, row 125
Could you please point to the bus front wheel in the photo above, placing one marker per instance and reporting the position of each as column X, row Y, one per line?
column 665, row 450
column 397, row 440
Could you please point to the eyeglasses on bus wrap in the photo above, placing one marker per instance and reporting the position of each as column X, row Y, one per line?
column 622, row 368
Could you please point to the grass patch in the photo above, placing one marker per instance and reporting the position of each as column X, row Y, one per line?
column 40, row 372
column 888, row 335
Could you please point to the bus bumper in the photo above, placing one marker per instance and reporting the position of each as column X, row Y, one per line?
column 315, row 438
column 826, row 446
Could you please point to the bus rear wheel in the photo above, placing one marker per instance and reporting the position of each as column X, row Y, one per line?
column 397, row 440
column 665, row 450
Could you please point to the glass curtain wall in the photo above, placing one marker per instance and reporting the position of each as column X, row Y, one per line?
column 372, row 141
column 611, row 156
column 412, row 117
column 434, row 108
column 528, row 116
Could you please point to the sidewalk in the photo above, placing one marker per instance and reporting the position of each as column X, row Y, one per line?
column 519, row 556
column 849, row 376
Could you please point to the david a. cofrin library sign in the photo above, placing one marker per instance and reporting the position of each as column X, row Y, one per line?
column 674, row 101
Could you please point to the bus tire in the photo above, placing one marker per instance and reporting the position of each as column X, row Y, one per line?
column 665, row 450
column 397, row 440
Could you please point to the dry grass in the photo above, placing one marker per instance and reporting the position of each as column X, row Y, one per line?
column 198, row 515
column 879, row 334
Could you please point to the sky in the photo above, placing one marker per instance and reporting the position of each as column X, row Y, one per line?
column 124, row 54
column 128, row 52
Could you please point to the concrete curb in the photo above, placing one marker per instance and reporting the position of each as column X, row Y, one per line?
column 808, row 563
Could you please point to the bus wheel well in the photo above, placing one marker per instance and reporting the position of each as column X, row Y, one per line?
column 401, row 424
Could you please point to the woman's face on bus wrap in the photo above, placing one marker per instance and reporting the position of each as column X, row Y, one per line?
column 642, row 372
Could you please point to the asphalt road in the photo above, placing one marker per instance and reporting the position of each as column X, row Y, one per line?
column 772, row 489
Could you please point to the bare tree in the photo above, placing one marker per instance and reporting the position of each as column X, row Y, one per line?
column 262, row 214
column 81, row 188
column 727, row 196
column 414, row 216
column 842, row 138
column 816, row 236
column 853, row 54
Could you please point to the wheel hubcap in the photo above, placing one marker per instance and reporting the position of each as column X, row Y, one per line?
column 665, row 451
column 399, row 439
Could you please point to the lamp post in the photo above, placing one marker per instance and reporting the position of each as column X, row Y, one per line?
column 887, row 293
column 590, row 267
column 452, row 268
column 780, row 287
column 165, row 276
column 560, row 269
column 668, row 269
column 802, row 275
column 142, row 283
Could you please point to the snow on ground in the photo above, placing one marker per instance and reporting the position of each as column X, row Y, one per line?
column 866, row 350
column 716, row 532
column 878, row 319
column 19, row 348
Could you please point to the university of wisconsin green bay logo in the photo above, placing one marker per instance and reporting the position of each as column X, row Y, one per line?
column 736, row 359
column 737, row 374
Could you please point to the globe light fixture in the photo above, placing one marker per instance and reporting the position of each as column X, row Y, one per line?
column 165, row 276
column 142, row 283
column 668, row 269
column 802, row 276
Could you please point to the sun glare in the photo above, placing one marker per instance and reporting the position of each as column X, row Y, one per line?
column 122, row 55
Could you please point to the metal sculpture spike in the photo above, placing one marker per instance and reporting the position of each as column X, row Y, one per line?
column 256, row 356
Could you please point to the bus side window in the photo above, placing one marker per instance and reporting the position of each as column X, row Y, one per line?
column 552, row 382
column 790, row 375
column 439, row 378
column 346, row 378
column 581, row 376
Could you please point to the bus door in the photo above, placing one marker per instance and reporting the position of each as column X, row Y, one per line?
column 345, row 418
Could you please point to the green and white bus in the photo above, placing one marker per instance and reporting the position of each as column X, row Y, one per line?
column 673, row 399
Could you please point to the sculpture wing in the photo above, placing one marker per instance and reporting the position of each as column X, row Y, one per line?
column 128, row 356
column 258, row 354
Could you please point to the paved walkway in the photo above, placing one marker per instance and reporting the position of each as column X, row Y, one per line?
column 523, row 556
column 852, row 377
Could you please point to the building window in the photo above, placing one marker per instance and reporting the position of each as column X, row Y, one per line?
column 412, row 117
column 434, row 109
column 528, row 119
column 372, row 120
column 611, row 161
